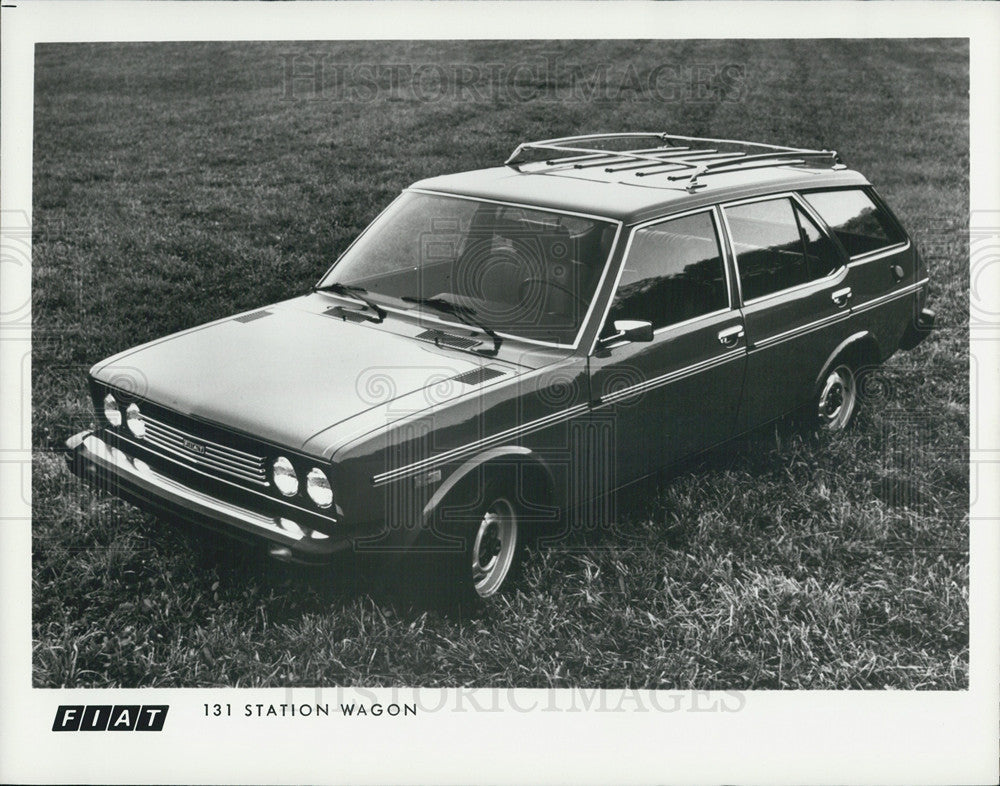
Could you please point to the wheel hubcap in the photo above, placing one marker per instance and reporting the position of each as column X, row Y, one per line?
column 837, row 399
column 494, row 547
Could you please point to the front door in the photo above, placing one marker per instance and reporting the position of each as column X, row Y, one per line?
column 662, row 400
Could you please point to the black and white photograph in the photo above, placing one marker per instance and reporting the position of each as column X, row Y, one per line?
column 393, row 382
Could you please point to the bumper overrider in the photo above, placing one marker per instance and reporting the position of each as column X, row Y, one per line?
column 917, row 329
column 95, row 459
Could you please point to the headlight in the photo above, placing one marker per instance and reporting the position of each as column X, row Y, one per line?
column 134, row 421
column 111, row 411
column 284, row 476
column 318, row 488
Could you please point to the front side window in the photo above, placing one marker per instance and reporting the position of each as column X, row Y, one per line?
column 674, row 271
column 520, row 271
column 858, row 223
column 778, row 246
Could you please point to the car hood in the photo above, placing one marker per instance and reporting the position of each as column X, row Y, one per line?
column 286, row 373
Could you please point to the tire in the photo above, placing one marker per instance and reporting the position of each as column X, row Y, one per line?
column 492, row 538
column 493, row 550
column 836, row 401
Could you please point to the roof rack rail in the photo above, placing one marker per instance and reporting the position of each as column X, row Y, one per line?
column 681, row 162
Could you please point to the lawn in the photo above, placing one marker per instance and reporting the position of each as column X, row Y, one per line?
column 179, row 183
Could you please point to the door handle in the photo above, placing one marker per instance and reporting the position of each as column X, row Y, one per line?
column 841, row 296
column 731, row 335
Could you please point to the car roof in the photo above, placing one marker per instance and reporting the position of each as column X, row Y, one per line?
column 623, row 197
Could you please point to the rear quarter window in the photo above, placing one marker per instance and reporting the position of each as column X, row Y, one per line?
column 858, row 223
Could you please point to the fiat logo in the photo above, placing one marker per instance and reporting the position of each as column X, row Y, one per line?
column 194, row 447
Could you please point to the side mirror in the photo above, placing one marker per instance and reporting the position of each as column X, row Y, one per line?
column 630, row 330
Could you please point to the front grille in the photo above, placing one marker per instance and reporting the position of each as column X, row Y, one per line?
column 200, row 453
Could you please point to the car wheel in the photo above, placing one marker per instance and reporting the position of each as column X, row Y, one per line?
column 486, row 523
column 837, row 399
column 492, row 551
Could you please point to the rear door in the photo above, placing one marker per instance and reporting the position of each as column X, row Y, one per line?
column 883, row 263
column 679, row 393
column 792, row 285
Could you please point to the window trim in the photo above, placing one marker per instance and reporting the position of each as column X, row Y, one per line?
column 871, row 256
column 713, row 211
column 424, row 315
column 876, row 200
column 817, row 222
column 796, row 199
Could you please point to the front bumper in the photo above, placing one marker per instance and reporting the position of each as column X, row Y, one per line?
column 93, row 459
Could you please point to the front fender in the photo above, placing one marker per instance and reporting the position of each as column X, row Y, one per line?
column 501, row 455
column 456, row 477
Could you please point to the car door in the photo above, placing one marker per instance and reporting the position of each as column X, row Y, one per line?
column 882, row 262
column 792, row 286
column 661, row 400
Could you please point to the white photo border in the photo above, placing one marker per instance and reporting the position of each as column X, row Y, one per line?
column 776, row 736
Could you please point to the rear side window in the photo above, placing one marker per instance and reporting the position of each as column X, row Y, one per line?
column 778, row 247
column 822, row 256
column 859, row 224
column 674, row 272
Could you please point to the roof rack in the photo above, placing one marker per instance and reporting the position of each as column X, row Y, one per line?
column 680, row 162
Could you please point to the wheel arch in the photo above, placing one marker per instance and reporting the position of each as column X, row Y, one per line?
column 532, row 468
column 862, row 347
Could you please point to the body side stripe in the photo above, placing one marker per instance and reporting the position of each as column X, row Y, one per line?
column 558, row 417
column 801, row 330
column 909, row 289
column 810, row 327
column 480, row 444
column 673, row 376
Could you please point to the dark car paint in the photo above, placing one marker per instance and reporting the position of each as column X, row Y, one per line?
column 316, row 377
column 395, row 447
column 729, row 393
column 592, row 192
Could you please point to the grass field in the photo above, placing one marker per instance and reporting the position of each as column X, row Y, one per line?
column 174, row 184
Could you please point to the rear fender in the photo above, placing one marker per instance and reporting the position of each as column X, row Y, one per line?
column 862, row 346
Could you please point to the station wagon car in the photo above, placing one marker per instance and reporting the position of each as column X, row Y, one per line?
column 501, row 349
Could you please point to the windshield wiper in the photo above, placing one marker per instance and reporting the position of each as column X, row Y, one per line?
column 464, row 314
column 356, row 293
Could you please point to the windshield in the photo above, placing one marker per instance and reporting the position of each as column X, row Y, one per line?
column 523, row 272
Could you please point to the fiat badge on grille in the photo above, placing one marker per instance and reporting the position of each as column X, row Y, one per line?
column 194, row 447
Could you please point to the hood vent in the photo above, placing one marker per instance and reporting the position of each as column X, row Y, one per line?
column 347, row 314
column 478, row 375
column 439, row 337
column 253, row 315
